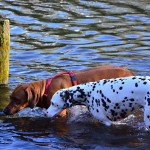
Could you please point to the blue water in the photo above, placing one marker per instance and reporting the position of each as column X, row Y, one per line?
column 52, row 36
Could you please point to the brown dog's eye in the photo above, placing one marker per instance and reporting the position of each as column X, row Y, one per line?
column 16, row 101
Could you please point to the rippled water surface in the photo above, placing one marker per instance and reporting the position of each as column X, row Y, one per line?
column 51, row 36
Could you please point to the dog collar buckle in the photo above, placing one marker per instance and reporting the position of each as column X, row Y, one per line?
column 73, row 78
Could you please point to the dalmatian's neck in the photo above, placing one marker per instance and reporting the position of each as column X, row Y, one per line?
column 76, row 96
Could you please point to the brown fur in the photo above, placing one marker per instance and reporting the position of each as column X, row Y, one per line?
column 31, row 94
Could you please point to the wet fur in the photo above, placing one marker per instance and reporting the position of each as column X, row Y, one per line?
column 107, row 100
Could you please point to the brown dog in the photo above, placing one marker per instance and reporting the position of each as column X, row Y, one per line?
column 32, row 94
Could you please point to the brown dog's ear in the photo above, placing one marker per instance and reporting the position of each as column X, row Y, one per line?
column 15, row 89
column 31, row 97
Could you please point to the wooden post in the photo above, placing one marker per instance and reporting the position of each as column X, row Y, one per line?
column 4, row 50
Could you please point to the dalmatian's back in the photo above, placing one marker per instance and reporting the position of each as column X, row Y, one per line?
column 115, row 99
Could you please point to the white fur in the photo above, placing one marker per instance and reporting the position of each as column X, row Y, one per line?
column 107, row 100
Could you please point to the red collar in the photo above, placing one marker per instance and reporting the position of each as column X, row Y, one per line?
column 49, row 80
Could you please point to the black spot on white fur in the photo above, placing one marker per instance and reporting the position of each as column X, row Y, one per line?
column 113, row 99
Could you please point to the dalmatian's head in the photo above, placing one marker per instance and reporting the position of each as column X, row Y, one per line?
column 63, row 99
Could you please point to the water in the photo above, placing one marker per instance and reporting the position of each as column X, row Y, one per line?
column 51, row 36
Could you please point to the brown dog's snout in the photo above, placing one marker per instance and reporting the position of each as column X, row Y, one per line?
column 9, row 110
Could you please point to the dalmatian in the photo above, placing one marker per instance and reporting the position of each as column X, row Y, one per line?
column 108, row 100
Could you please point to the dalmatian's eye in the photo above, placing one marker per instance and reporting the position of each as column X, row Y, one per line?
column 64, row 106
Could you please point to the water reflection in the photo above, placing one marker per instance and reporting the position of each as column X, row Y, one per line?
column 52, row 36
column 4, row 96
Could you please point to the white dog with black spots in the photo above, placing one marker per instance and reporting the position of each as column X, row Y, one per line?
column 107, row 100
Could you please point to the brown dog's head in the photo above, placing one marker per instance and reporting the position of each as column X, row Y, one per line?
column 23, row 96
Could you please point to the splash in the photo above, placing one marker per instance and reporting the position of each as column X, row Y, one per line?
column 80, row 114
column 35, row 112
column 130, row 120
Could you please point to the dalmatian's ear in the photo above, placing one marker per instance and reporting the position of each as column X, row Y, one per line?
column 65, row 95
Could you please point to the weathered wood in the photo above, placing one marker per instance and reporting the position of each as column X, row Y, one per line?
column 4, row 50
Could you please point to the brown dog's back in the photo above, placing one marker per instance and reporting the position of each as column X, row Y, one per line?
column 102, row 72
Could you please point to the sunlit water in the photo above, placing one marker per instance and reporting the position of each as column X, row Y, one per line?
column 49, row 37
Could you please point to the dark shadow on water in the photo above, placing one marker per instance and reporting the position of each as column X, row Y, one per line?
column 84, row 135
